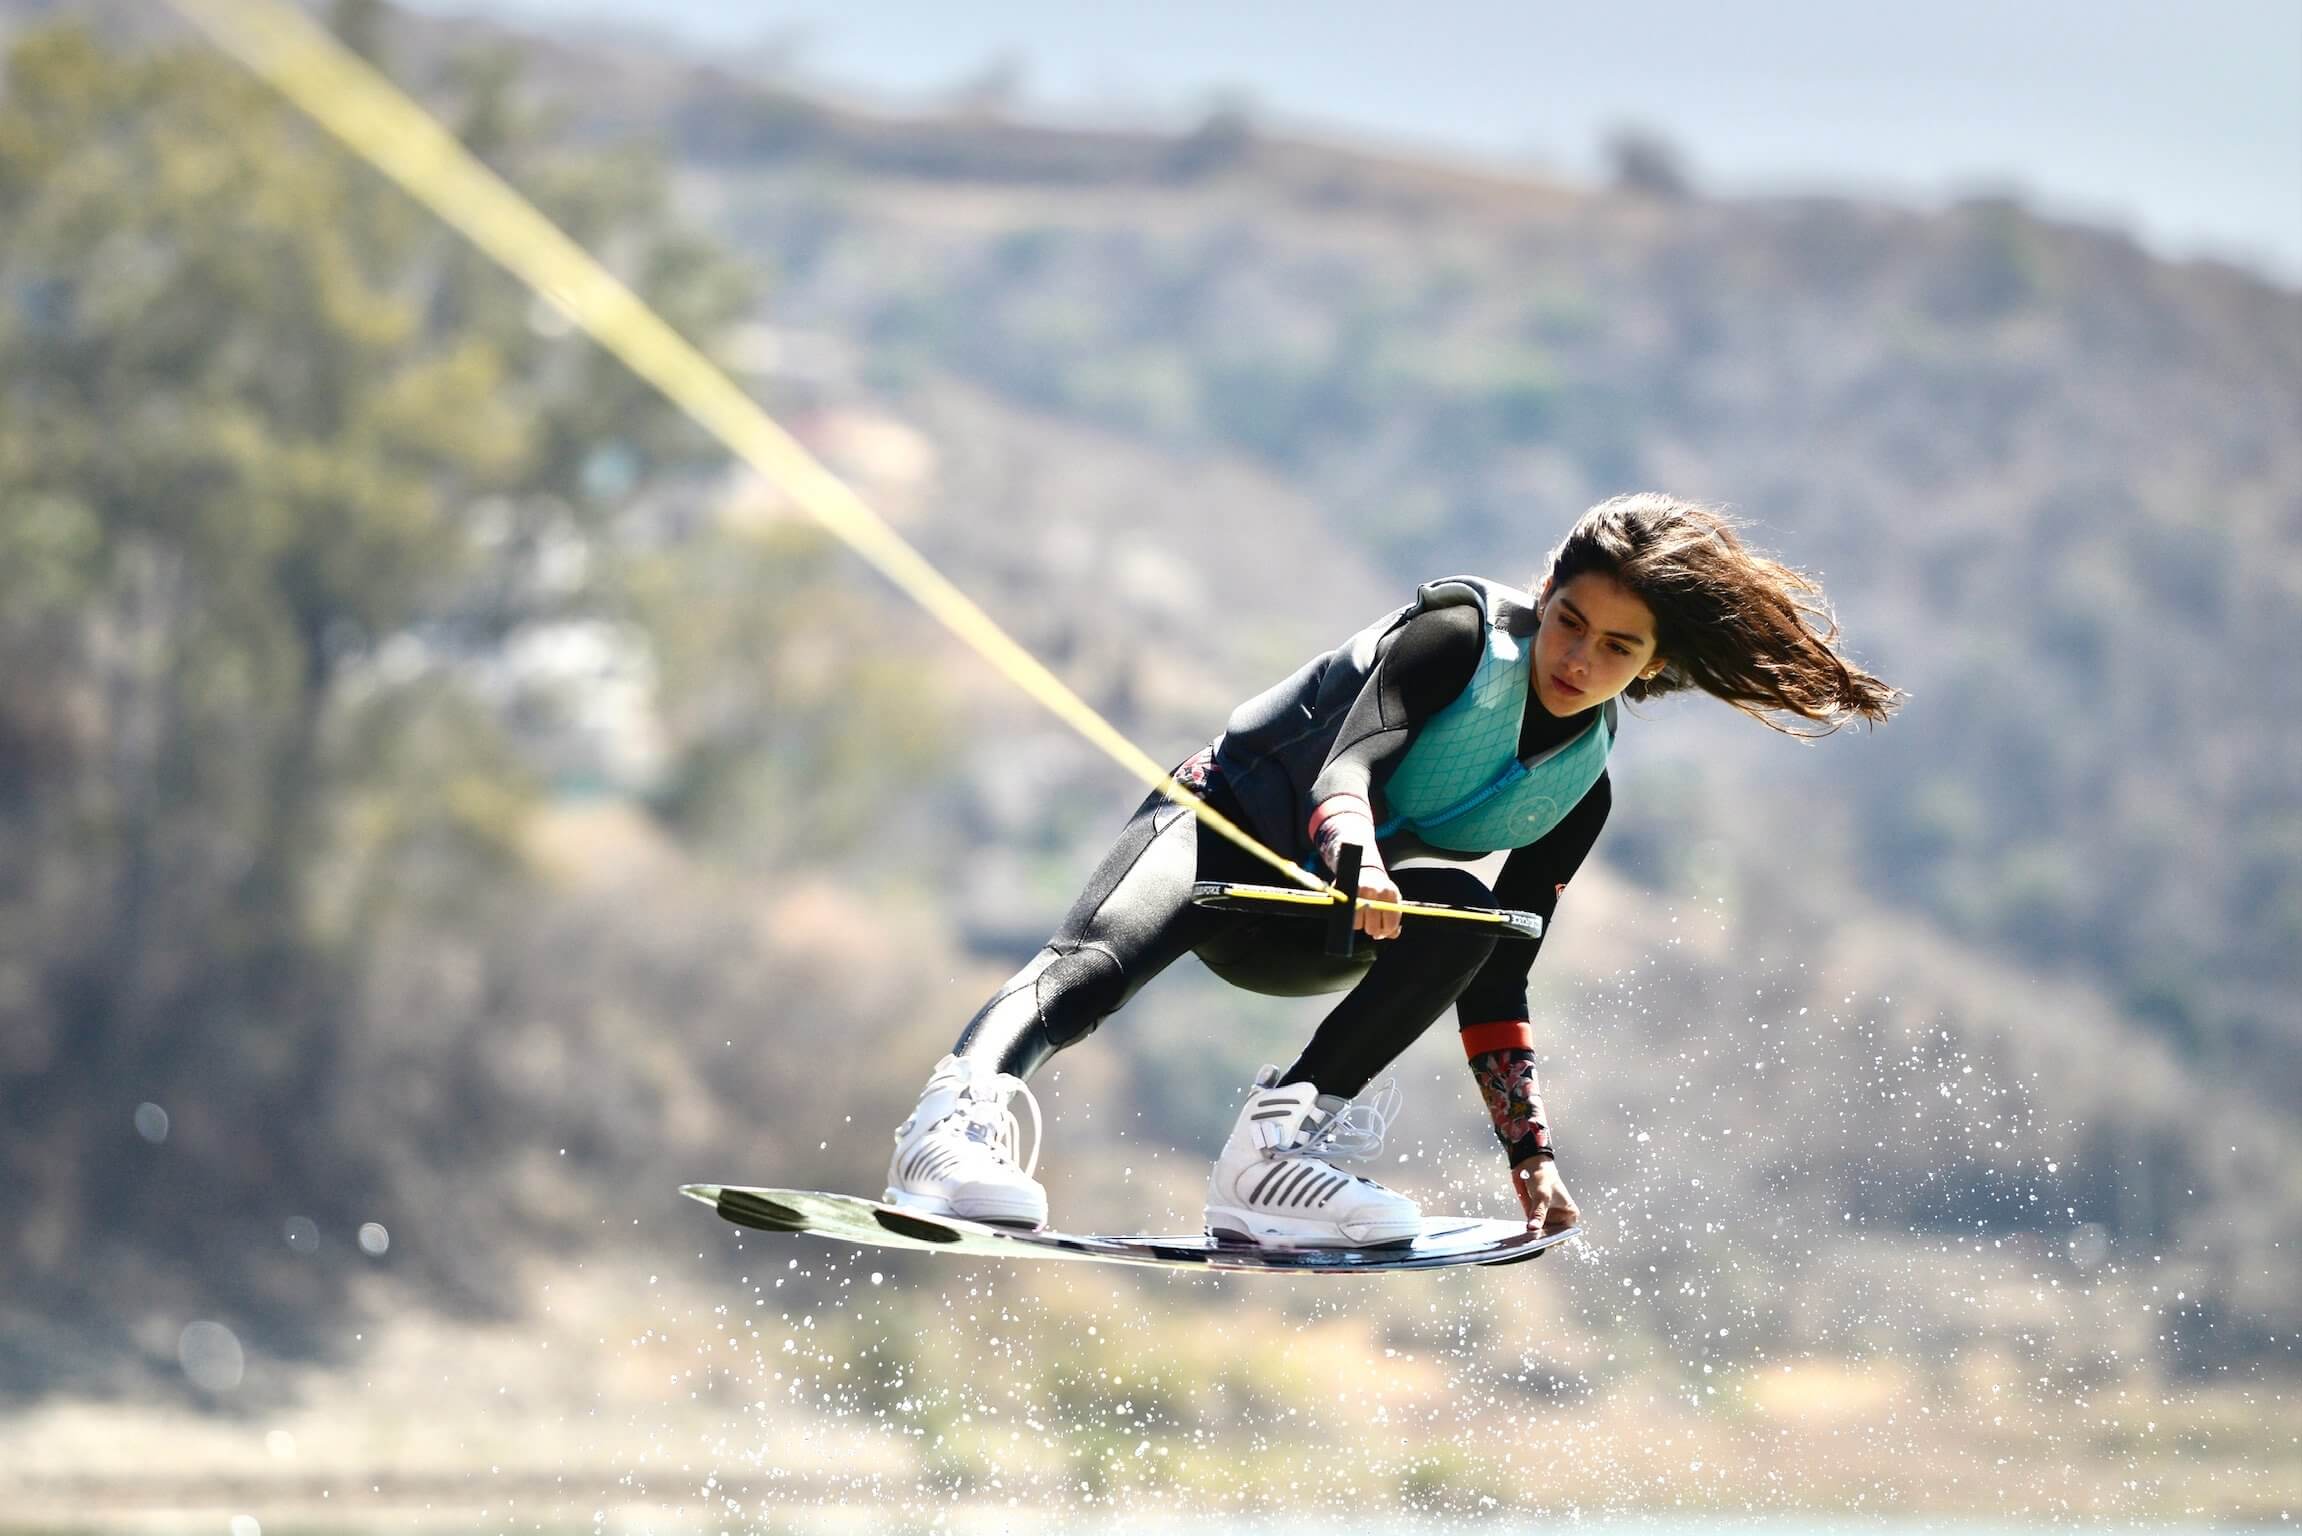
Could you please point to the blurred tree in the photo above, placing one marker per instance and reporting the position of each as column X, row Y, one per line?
column 249, row 399
column 995, row 88
column 1646, row 163
column 798, row 711
column 1220, row 141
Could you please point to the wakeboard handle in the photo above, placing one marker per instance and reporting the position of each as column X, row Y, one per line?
column 1344, row 918
column 1340, row 909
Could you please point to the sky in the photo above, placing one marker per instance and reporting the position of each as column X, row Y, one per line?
column 2180, row 120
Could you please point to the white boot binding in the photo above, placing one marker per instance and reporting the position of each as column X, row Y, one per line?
column 1273, row 1185
column 957, row 1154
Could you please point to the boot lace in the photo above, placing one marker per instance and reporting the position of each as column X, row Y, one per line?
column 1356, row 1131
column 983, row 1108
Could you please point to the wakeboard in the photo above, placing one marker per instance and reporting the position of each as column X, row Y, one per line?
column 1445, row 1240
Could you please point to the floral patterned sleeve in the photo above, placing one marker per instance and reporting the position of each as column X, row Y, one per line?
column 1508, row 1082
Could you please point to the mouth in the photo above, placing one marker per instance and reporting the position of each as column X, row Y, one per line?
column 1562, row 686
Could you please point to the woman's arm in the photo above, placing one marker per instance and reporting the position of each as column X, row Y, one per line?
column 1497, row 1037
column 1532, row 880
column 1503, row 1060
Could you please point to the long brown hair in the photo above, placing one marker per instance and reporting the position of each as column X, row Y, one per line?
column 1732, row 622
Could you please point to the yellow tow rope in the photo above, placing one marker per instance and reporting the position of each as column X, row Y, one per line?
column 347, row 96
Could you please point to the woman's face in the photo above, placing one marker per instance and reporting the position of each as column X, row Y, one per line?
column 1596, row 637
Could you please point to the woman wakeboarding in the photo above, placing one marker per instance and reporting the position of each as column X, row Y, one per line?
column 1475, row 720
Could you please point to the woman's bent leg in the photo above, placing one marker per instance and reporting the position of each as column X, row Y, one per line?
column 1414, row 979
column 959, row 1153
column 1134, row 919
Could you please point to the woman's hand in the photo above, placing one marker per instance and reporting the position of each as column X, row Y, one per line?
column 1543, row 1195
column 1375, row 883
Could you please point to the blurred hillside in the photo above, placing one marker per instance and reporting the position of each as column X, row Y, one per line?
column 1979, row 423
column 452, row 801
column 2051, row 483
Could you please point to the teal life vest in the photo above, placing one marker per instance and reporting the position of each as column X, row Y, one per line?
column 1462, row 787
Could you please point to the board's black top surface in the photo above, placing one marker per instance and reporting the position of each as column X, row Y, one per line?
column 1445, row 1240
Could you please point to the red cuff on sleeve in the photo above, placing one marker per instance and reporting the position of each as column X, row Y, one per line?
column 1501, row 1035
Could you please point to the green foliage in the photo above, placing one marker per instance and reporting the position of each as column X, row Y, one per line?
column 2049, row 483
column 249, row 397
column 282, row 464
column 798, row 726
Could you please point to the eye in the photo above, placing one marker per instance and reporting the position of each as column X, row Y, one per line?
column 1619, row 648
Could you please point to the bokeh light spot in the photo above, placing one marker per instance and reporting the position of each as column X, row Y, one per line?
column 211, row 1356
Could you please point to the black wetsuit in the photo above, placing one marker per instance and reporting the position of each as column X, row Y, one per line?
column 1136, row 916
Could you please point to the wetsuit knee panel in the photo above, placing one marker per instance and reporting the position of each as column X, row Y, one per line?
column 1076, row 990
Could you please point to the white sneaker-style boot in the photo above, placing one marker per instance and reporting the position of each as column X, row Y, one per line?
column 1275, row 1185
column 956, row 1155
